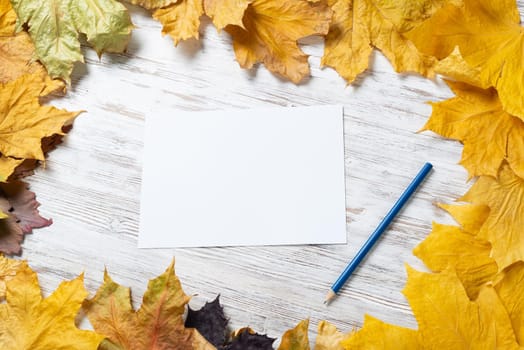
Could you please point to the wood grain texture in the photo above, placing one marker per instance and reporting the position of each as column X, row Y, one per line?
column 90, row 185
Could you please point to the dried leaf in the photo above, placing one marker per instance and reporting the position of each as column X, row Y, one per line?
column 8, row 270
column 54, row 27
column 21, row 137
column 296, row 338
column 11, row 235
column 449, row 246
column 158, row 324
column 152, row 4
column 470, row 217
column 270, row 33
column 328, row 338
column 490, row 38
column 361, row 25
column 17, row 52
column 376, row 335
column 511, row 292
column 180, row 20
column 489, row 134
column 22, row 209
column 447, row 319
column 226, row 12
column 503, row 227
column 454, row 67
column 8, row 166
column 28, row 322
column 247, row 339
column 23, row 205
column 7, row 19
column 17, row 57
column 209, row 321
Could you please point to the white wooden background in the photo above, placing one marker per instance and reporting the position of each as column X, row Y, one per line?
column 90, row 186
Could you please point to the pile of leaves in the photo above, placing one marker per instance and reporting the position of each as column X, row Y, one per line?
column 474, row 297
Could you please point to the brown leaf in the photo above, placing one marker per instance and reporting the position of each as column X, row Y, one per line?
column 22, row 208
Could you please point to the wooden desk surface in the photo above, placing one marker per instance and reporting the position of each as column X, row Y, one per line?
column 90, row 185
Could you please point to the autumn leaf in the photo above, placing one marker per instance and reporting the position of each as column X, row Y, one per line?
column 247, row 339
column 8, row 166
column 470, row 256
column 328, row 338
column 17, row 57
column 17, row 52
column 209, row 321
column 447, row 319
column 152, row 4
column 180, row 20
column 456, row 68
column 226, row 12
column 470, row 217
column 376, row 334
column 28, row 322
column 460, row 248
column 503, row 227
column 270, row 32
column 23, row 205
column 490, row 38
column 158, row 324
column 7, row 19
column 24, row 122
column 511, row 292
column 361, row 25
column 296, row 338
column 54, row 27
column 489, row 134
column 21, row 208
column 8, row 270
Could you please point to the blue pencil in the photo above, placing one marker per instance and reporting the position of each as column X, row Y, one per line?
column 378, row 232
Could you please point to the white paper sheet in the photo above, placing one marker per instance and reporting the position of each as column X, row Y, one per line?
column 243, row 177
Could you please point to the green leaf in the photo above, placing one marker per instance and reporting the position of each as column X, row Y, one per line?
column 55, row 25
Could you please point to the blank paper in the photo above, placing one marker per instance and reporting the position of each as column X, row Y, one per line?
column 243, row 177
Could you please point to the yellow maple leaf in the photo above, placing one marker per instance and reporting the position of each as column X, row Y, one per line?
column 329, row 337
column 24, row 122
column 470, row 256
column 7, row 18
column 8, row 270
column 270, row 32
column 490, row 38
column 226, row 12
column 456, row 68
column 489, row 134
column 375, row 335
column 447, row 319
column 180, row 20
column 158, row 324
column 470, row 217
column 28, row 322
column 361, row 25
column 503, row 227
column 511, row 292
column 296, row 338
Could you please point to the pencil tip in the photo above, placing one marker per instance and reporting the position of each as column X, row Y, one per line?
column 330, row 295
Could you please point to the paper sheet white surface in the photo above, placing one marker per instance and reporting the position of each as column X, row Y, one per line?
column 243, row 177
